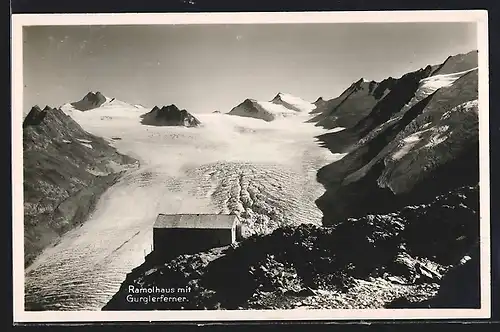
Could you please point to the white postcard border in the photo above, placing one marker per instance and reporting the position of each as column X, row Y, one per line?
column 20, row 20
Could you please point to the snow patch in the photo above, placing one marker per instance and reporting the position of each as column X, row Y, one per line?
column 431, row 84
column 407, row 144
column 96, row 172
column 338, row 156
column 426, row 125
column 412, row 138
column 438, row 137
column 442, row 129
column 336, row 129
column 377, row 130
column 87, row 145
column 277, row 110
column 435, row 140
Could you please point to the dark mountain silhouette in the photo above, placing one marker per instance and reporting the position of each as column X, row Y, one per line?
column 90, row 101
column 352, row 105
column 66, row 169
column 169, row 116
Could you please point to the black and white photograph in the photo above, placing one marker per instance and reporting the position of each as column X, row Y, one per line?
column 250, row 166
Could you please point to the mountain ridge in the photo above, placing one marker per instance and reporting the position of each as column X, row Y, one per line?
column 66, row 169
column 282, row 105
column 348, row 108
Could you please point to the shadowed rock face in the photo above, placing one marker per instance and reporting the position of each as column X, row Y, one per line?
column 376, row 112
column 66, row 169
column 458, row 63
column 90, row 101
column 34, row 117
column 169, row 116
column 352, row 105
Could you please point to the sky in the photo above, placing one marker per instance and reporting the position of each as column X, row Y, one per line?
column 203, row 68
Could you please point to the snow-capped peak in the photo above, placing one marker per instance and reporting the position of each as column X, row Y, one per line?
column 297, row 103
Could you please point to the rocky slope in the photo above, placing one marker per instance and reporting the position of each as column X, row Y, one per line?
column 421, row 133
column 368, row 262
column 66, row 169
column 169, row 116
column 90, row 101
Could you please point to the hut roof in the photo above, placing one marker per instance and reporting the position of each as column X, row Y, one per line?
column 199, row 221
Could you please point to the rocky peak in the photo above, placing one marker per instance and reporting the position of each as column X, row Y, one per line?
column 248, row 102
column 90, row 101
column 319, row 100
column 35, row 116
